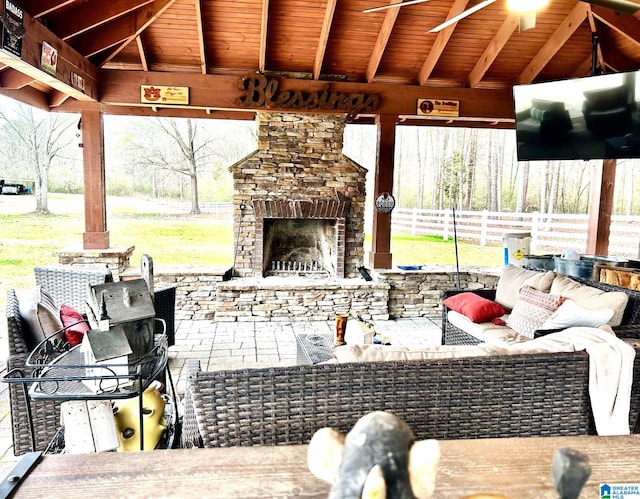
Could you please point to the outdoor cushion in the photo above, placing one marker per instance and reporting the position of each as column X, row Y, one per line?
column 40, row 314
column 476, row 308
column 531, row 310
column 384, row 353
column 514, row 277
column 570, row 314
column 592, row 298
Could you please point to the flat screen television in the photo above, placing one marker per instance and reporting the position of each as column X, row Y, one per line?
column 595, row 117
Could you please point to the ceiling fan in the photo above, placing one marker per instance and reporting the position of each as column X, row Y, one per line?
column 526, row 8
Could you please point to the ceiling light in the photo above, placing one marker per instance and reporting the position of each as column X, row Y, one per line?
column 526, row 5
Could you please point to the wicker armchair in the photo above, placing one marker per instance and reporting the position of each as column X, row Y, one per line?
column 476, row 397
column 68, row 284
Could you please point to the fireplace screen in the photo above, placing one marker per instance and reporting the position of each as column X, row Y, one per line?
column 300, row 246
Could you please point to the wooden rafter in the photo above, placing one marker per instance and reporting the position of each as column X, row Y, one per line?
column 13, row 79
column 39, row 8
column 493, row 50
column 324, row 38
column 201, row 44
column 440, row 43
column 142, row 53
column 121, row 32
column 90, row 15
column 381, row 43
column 594, row 30
column 56, row 98
column 627, row 26
column 570, row 24
column 264, row 25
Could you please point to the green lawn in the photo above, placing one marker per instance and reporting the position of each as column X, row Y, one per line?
column 28, row 239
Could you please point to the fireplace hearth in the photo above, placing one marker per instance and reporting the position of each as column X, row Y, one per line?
column 299, row 202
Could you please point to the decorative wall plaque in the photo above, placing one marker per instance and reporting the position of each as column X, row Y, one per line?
column 159, row 94
column 385, row 202
column 438, row 107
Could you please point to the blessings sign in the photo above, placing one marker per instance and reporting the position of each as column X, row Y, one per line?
column 263, row 92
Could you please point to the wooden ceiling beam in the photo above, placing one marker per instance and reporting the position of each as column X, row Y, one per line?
column 440, row 43
column 90, row 15
column 28, row 95
column 559, row 37
column 493, row 49
column 594, row 31
column 222, row 92
column 56, row 98
column 381, row 43
column 264, row 28
column 120, row 32
column 39, row 8
column 625, row 24
column 69, row 61
column 327, row 21
column 142, row 53
column 201, row 45
column 13, row 79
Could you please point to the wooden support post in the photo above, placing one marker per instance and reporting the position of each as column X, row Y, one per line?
column 96, row 235
column 380, row 256
column 601, row 207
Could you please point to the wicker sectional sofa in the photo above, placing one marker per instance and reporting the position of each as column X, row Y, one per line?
column 455, row 334
column 474, row 397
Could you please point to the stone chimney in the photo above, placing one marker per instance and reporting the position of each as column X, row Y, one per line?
column 298, row 201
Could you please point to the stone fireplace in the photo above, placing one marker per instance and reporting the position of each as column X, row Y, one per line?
column 298, row 201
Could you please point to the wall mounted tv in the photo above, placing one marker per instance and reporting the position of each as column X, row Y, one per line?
column 595, row 117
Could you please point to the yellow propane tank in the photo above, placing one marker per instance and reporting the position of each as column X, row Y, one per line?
column 126, row 414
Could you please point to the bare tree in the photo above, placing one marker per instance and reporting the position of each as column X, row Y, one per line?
column 38, row 139
column 522, row 179
column 182, row 146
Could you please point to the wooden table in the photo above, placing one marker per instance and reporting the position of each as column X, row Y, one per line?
column 519, row 468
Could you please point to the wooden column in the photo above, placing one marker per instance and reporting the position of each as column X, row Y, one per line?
column 601, row 207
column 96, row 235
column 380, row 256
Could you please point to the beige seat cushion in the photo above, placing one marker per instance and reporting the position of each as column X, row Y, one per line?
column 514, row 277
column 591, row 298
column 486, row 332
column 388, row 353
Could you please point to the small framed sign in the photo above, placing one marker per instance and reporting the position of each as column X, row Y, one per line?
column 158, row 94
column 438, row 107
column 385, row 202
column 49, row 58
column 12, row 28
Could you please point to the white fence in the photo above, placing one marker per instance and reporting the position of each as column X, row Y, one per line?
column 549, row 233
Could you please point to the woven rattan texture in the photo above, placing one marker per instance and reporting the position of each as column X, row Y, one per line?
column 501, row 396
column 452, row 335
column 68, row 285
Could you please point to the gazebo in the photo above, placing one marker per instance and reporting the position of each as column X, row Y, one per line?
column 220, row 59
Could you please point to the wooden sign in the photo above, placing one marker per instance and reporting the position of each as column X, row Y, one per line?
column 438, row 107
column 158, row 94
column 261, row 92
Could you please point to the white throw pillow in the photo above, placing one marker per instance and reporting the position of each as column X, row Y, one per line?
column 570, row 314
column 592, row 298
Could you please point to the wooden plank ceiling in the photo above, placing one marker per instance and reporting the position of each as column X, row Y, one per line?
column 334, row 41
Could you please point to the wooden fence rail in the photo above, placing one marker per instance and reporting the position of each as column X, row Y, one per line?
column 549, row 233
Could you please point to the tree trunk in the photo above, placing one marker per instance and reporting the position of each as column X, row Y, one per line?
column 195, row 206
column 523, row 185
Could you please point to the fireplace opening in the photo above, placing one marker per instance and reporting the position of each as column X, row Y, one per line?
column 295, row 246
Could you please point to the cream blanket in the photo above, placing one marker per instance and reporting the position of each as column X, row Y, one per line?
column 610, row 371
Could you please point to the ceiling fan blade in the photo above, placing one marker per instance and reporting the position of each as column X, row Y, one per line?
column 394, row 5
column 625, row 6
column 462, row 15
column 527, row 20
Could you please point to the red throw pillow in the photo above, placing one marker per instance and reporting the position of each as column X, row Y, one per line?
column 474, row 307
column 75, row 333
